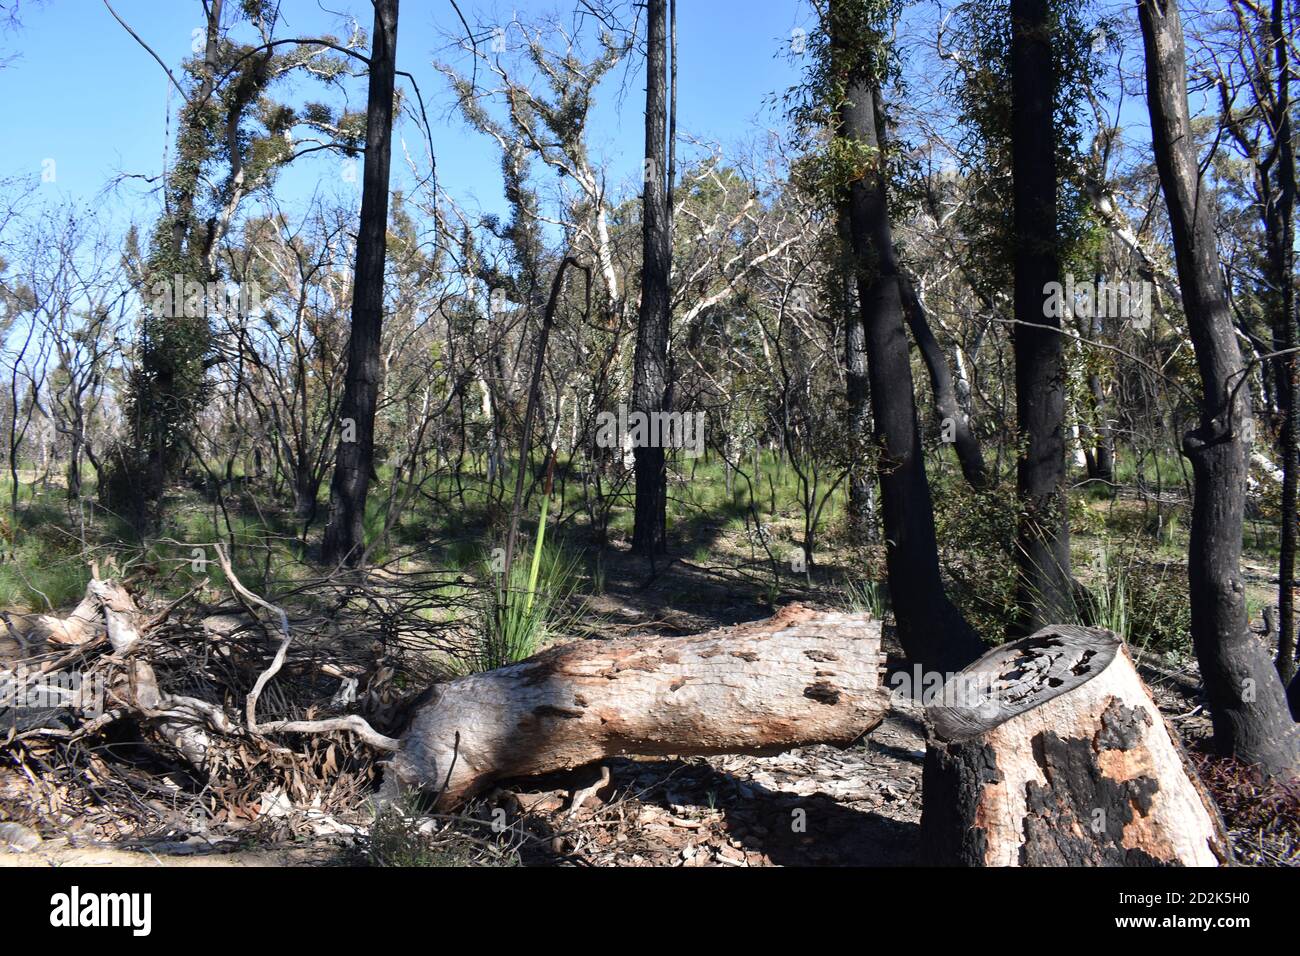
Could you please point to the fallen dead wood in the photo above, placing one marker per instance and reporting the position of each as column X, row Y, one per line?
column 798, row 678
column 79, row 627
column 188, row 723
column 1049, row 751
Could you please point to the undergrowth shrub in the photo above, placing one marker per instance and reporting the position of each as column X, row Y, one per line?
column 514, row 619
column 976, row 532
column 400, row 837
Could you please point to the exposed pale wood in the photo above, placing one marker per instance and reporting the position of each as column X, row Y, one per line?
column 800, row 677
column 181, row 721
column 187, row 723
column 1050, row 751
column 82, row 625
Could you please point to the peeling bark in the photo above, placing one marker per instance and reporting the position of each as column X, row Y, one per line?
column 798, row 678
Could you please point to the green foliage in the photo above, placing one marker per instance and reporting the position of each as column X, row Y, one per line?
column 41, row 565
column 1143, row 601
column 1160, row 608
column 32, row 580
column 852, row 45
column 514, row 620
column 976, row 532
column 871, row 597
column 1108, row 595
column 982, row 90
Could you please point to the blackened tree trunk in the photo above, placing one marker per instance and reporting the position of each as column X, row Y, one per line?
column 1098, row 436
column 1247, row 702
column 650, row 373
column 1281, row 255
column 954, row 425
column 354, row 462
column 1046, row 591
column 77, row 441
column 306, row 490
column 932, row 630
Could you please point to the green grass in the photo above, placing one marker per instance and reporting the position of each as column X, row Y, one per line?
column 1108, row 594
column 514, row 620
column 32, row 579
column 871, row 597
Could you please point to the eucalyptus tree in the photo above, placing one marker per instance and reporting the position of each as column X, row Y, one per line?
column 1248, row 63
column 232, row 140
column 854, row 63
column 1020, row 86
column 1247, row 700
column 354, row 459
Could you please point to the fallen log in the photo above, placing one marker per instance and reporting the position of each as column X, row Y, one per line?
column 32, row 632
column 1050, row 751
column 798, row 678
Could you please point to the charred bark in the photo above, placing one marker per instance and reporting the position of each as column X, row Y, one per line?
column 931, row 629
column 354, row 460
column 954, row 424
column 1050, row 752
column 1281, row 259
column 861, row 504
column 1246, row 696
column 650, row 381
column 1046, row 590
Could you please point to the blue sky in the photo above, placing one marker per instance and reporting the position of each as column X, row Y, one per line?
column 80, row 91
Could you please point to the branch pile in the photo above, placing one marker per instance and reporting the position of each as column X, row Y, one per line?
column 211, row 699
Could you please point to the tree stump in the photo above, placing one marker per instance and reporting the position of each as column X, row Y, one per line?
column 1050, row 751
column 798, row 678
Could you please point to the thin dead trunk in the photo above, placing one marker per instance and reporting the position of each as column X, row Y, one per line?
column 862, row 516
column 954, row 424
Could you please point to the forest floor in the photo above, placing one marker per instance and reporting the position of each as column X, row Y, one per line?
column 814, row 805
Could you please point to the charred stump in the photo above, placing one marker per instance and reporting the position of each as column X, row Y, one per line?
column 1049, row 751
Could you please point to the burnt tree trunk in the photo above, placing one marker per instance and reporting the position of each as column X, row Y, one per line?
column 354, row 462
column 650, row 372
column 1102, row 459
column 1098, row 435
column 1046, row 591
column 931, row 629
column 1246, row 696
column 1281, row 259
column 800, row 677
column 1049, row 751
column 954, row 425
